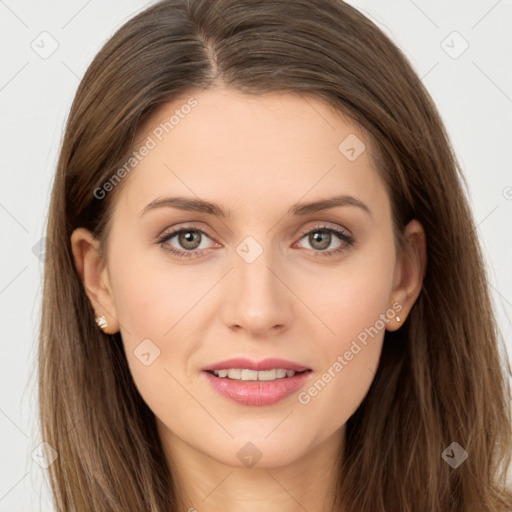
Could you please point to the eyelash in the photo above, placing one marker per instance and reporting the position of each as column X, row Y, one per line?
column 342, row 235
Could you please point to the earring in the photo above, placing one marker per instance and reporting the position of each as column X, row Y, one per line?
column 101, row 322
column 398, row 319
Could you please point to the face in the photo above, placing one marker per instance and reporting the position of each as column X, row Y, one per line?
column 190, row 288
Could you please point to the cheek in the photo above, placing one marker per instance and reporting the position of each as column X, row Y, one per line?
column 156, row 305
column 149, row 294
column 354, row 313
column 148, row 310
column 354, row 294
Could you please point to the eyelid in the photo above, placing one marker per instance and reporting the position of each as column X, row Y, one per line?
column 303, row 231
column 173, row 230
column 318, row 225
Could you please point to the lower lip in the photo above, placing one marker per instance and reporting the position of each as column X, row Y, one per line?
column 257, row 392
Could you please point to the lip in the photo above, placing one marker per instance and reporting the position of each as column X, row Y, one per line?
column 265, row 364
column 257, row 393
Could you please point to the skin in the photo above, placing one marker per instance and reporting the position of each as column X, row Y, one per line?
column 256, row 156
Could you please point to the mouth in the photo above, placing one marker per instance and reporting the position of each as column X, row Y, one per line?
column 244, row 374
column 257, row 383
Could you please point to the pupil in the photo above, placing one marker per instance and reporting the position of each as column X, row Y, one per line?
column 321, row 237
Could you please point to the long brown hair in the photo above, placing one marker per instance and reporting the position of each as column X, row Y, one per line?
column 441, row 378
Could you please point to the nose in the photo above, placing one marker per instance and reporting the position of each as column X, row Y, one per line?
column 258, row 299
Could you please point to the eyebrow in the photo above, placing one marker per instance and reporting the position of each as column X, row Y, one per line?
column 298, row 209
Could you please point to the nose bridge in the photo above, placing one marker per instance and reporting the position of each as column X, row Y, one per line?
column 258, row 297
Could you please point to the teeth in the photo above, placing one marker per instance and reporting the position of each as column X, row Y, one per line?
column 243, row 374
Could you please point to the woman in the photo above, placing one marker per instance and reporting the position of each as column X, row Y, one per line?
column 263, row 287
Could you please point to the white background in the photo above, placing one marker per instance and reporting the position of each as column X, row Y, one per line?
column 473, row 93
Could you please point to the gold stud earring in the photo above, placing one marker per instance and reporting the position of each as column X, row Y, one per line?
column 101, row 322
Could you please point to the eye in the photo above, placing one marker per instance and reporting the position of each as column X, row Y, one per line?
column 189, row 238
column 321, row 237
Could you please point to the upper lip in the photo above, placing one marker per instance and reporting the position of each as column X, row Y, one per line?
column 265, row 364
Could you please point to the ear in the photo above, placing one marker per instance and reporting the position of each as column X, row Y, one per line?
column 94, row 274
column 409, row 272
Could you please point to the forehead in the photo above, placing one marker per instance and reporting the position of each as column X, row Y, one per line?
column 259, row 151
